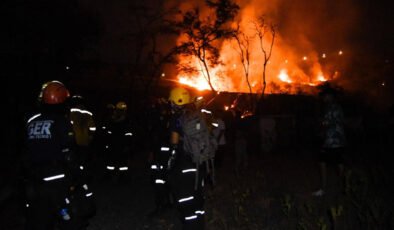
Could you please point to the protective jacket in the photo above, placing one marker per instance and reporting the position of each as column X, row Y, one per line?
column 50, row 169
column 50, row 144
column 83, row 124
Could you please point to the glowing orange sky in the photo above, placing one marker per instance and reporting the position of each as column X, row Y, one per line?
column 294, row 63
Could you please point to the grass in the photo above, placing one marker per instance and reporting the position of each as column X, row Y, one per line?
column 275, row 193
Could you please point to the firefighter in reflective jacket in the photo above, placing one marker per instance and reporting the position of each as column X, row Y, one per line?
column 159, row 123
column 84, row 129
column 119, row 146
column 188, row 193
column 49, row 163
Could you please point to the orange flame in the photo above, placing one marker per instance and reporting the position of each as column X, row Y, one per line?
column 199, row 80
column 283, row 76
column 285, row 69
column 321, row 78
column 198, row 83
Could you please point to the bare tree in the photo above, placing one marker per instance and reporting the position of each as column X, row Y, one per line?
column 243, row 43
column 149, row 24
column 202, row 34
column 157, row 60
column 262, row 29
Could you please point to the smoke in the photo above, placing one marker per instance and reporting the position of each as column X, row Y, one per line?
column 320, row 30
column 309, row 37
column 313, row 41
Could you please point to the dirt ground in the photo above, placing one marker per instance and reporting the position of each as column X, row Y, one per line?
column 273, row 191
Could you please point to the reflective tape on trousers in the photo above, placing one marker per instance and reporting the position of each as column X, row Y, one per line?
column 186, row 199
column 159, row 181
column 190, row 217
column 189, row 170
column 55, row 177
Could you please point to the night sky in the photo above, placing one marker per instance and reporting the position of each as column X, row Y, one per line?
column 70, row 40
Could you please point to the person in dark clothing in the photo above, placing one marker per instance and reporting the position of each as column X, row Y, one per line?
column 84, row 129
column 159, row 155
column 51, row 172
column 334, row 138
column 186, row 184
column 120, row 142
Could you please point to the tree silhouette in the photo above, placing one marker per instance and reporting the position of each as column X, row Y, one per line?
column 262, row 28
column 202, row 35
column 243, row 49
column 149, row 24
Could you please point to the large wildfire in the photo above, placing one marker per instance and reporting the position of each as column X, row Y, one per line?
column 295, row 63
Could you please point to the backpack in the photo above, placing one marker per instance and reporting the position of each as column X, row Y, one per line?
column 198, row 141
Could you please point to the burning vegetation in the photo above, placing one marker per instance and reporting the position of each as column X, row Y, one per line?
column 246, row 46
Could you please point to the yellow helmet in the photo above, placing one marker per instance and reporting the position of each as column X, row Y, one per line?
column 121, row 105
column 180, row 96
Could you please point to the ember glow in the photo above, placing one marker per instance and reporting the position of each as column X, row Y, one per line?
column 280, row 72
column 284, row 77
column 199, row 80
column 293, row 63
column 321, row 78
column 196, row 82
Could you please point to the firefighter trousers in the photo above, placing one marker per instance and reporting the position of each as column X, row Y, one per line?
column 189, row 199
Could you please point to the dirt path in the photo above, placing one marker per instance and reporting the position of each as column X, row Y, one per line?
column 125, row 205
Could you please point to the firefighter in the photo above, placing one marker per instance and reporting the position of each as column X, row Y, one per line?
column 187, row 191
column 84, row 129
column 160, row 154
column 120, row 142
column 51, row 171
